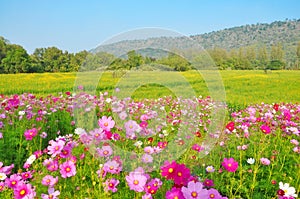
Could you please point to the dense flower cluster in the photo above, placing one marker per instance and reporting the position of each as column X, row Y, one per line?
column 126, row 146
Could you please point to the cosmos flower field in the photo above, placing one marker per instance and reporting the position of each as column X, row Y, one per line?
column 98, row 146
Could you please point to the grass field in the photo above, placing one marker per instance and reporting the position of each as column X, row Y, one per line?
column 241, row 87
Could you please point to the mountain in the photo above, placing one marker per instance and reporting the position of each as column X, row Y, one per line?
column 287, row 33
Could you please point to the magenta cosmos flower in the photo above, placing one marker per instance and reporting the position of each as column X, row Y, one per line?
column 111, row 185
column 67, row 169
column 194, row 190
column 168, row 169
column 136, row 181
column 52, row 194
column 182, row 175
column 230, row 164
column 24, row 191
column 106, row 123
column 30, row 133
column 174, row 193
column 265, row 129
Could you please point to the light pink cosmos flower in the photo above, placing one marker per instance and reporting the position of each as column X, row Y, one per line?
column 146, row 158
column 194, row 191
column 136, row 180
column 13, row 181
column 55, row 148
column 105, row 151
column 130, row 127
column 265, row 161
column 106, row 123
column 295, row 142
column 49, row 180
column 67, row 169
column 112, row 167
column 111, row 185
column 52, row 194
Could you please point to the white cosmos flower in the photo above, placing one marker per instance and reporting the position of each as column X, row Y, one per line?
column 31, row 159
column 79, row 131
column 21, row 113
column 138, row 144
column 288, row 191
column 250, row 160
column 3, row 176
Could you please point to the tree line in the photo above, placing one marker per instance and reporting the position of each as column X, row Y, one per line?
column 15, row 59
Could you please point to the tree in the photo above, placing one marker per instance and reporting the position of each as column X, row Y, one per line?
column 276, row 57
column 262, row 57
column 134, row 60
column 16, row 60
column 298, row 55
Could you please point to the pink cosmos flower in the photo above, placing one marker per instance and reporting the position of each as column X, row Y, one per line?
column 149, row 150
column 210, row 169
column 152, row 186
column 30, row 133
column 26, row 175
column 194, row 190
column 147, row 196
column 13, row 181
column 111, row 185
column 55, row 148
column 174, row 193
column 131, row 127
column 24, row 191
column 52, row 194
column 136, row 181
column 105, row 151
column 146, row 158
column 295, row 142
column 2, row 186
column 213, row 193
column 106, row 123
column 49, row 180
column 265, row 129
column 265, row 161
column 197, row 147
column 112, row 167
column 67, row 169
column 230, row 164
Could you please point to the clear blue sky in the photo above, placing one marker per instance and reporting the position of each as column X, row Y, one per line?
column 82, row 24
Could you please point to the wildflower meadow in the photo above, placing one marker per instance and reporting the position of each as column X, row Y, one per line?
column 79, row 145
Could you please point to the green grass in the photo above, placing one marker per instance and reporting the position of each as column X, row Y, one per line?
column 241, row 87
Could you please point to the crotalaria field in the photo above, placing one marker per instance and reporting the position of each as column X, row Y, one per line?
column 98, row 146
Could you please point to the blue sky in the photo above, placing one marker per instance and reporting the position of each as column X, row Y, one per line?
column 79, row 25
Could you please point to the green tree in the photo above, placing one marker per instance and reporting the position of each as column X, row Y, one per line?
column 134, row 60
column 298, row 55
column 262, row 57
column 276, row 57
column 16, row 60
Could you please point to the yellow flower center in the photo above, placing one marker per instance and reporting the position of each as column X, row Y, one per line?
column 68, row 169
column 135, row 182
column 179, row 174
column 212, row 195
column 22, row 192
column 229, row 165
column 194, row 194
column 105, row 124
column 176, row 197
column 171, row 170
